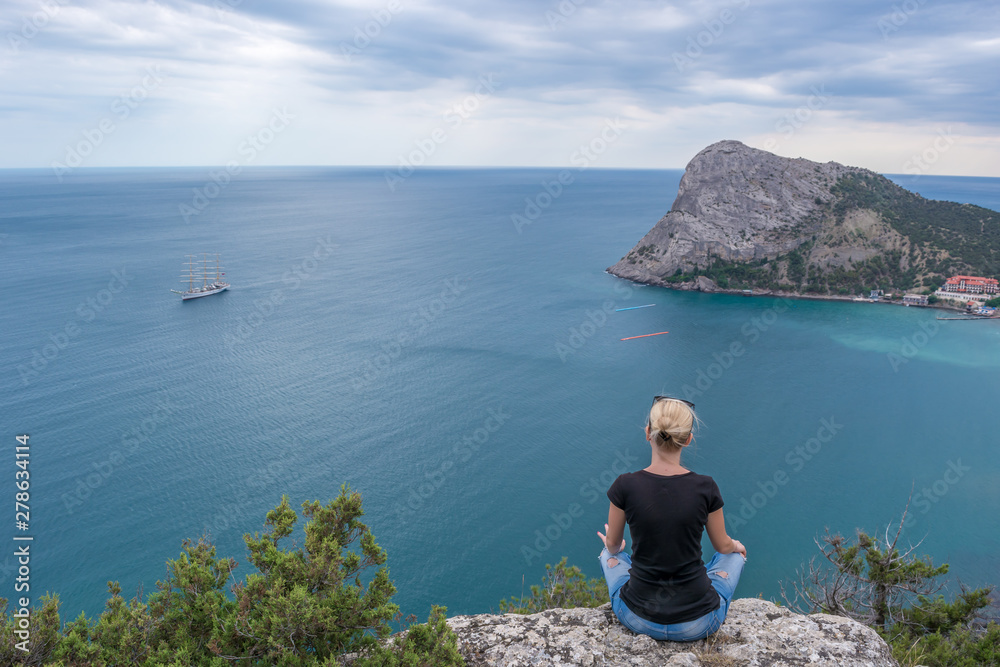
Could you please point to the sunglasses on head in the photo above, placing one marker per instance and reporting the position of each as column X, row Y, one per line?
column 671, row 398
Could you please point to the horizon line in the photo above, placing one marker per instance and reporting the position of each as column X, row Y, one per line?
column 428, row 168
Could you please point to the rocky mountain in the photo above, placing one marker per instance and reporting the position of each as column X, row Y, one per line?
column 746, row 218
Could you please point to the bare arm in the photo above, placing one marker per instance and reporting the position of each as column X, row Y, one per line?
column 615, row 539
column 721, row 541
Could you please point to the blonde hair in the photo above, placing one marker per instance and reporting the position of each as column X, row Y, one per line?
column 670, row 424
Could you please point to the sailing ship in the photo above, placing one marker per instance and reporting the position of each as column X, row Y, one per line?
column 206, row 288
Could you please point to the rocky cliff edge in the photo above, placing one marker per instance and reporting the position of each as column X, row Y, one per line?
column 757, row 633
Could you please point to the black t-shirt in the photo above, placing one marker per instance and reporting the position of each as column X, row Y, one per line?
column 666, row 515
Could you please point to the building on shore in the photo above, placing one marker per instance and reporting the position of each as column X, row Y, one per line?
column 970, row 285
column 960, row 299
column 963, row 289
column 914, row 299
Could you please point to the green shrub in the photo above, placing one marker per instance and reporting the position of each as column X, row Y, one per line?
column 304, row 607
column 563, row 587
column 433, row 644
column 959, row 648
column 895, row 593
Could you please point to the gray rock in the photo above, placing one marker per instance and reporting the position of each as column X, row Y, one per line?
column 740, row 204
column 756, row 633
column 705, row 284
column 699, row 284
column 683, row 660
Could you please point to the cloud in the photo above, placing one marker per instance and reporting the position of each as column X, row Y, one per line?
column 367, row 78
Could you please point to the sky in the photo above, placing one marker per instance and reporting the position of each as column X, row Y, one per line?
column 904, row 86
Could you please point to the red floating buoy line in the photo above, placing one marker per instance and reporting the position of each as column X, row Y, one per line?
column 645, row 335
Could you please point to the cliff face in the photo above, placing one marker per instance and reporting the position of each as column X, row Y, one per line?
column 736, row 203
column 756, row 633
column 766, row 221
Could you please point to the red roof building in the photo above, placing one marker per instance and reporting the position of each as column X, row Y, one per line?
column 971, row 285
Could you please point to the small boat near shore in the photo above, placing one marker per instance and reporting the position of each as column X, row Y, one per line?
column 206, row 288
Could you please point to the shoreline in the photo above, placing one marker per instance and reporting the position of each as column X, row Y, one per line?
column 837, row 297
column 694, row 286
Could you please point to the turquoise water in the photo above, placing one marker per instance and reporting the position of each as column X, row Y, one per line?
column 467, row 378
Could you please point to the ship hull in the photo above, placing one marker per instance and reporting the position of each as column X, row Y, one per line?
column 196, row 295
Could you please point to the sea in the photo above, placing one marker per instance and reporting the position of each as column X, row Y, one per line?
column 449, row 345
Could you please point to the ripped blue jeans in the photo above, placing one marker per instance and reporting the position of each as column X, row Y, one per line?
column 616, row 576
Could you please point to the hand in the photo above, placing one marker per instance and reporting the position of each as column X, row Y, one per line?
column 604, row 541
column 738, row 548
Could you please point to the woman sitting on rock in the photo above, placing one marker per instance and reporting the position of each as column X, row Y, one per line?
column 665, row 590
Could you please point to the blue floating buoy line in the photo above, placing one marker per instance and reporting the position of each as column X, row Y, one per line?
column 659, row 333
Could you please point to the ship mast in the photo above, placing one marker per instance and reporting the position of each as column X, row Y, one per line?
column 190, row 275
